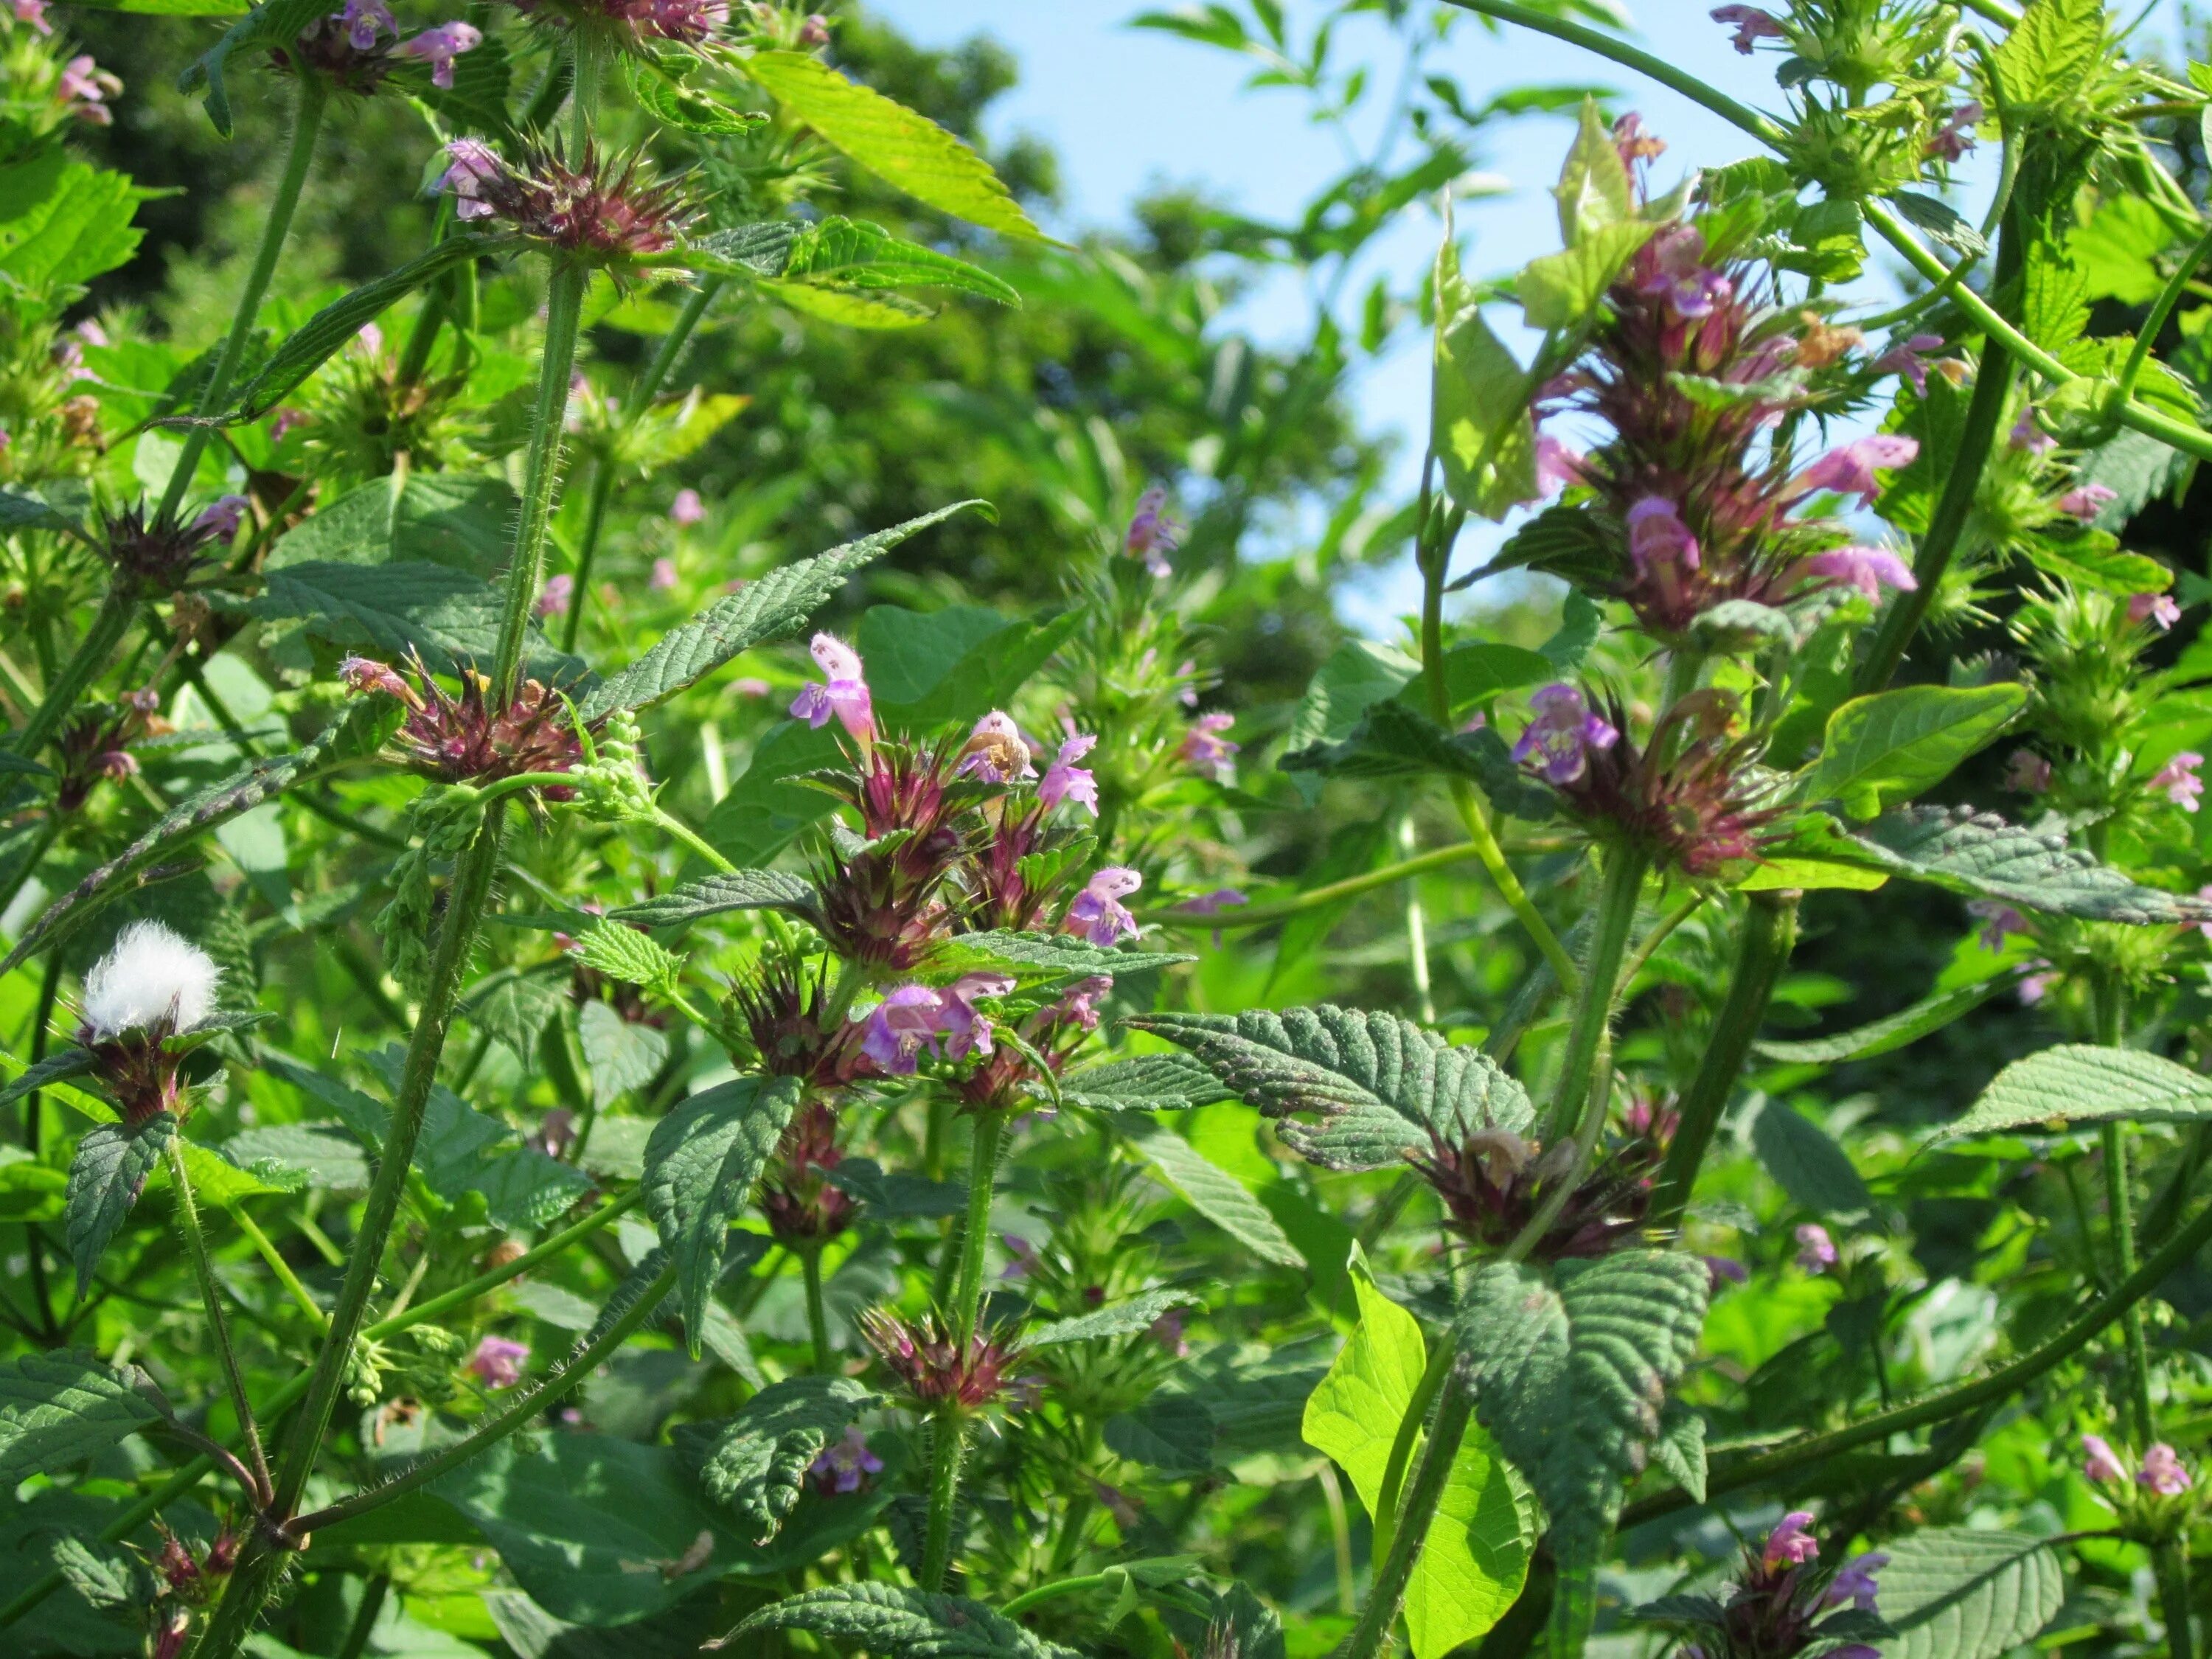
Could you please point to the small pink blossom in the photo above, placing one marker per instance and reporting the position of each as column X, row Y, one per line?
column 1790, row 1545
column 1556, row 467
column 1955, row 137
column 1065, row 780
column 2026, row 435
column 1724, row 1270
column 2035, row 988
column 1910, row 359
column 222, row 515
column 1213, row 904
column 1816, row 1251
column 2086, row 501
column 995, row 752
column 1153, row 535
column 967, row 1031
column 1205, row 749
column 1868, row 569
column 687, row 509
column 1850, row 470
column 2162, row 1471
column 439, row 46
column 845, row 693
column 2027, row 772
column 1680, row 277
column 1854, row 1583
column 287, row 420
column 2157, row 608
column 2178, row 781
column 1658, row 541
column 1098, row 913
column 1078, row 1004
column 32, row 12
column 750, row 685
column 664, row 575
column 2099, row 1462
column 1751, row 26
column 86, row 87
column 1563, row 730
column 470, row 164
column 558, row 593
column 2000, row 922
column 497, row 1363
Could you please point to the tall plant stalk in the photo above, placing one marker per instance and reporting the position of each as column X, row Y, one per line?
column 948, row 1443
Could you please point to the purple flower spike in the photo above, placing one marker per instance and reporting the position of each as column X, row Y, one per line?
column 1065, row 780
column 1563, row 731
column 2162, row 1471
column 1751, row 26
column 1816, row 1251
column 2099, row 1462
column 1098, row 915
column 845, row 695
column 1790, row 1545
column 439, row 46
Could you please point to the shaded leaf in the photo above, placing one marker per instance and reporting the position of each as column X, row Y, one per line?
column 755, row 1462
column 1962, row 1593
column 1124, row 1318
column 1144, row 1083
column 2077, row 1083
column 910, row 1624
column 58, row 1409
column 1211, row 1190
column 320, row 1154
column 1047, row 956
column 106, row 1177
column 712, row 895
column 1930, row 1014
column 1807, row 1163
column 450, row 616
column 699, row 1167
column 62, row 1064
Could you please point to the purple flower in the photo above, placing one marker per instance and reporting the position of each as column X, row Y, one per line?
column 1849, row 470
column 2100, row 1462
column 1213, row 904
column 2177, row 779
column 1153, row 535
column 557, row 594
column 687, row 509
column 2157, row 608
column 1065, row 780
column 1724, row 1270
column 1816, row 1251
column 2028, row 436
column 85, row 86
column 497, row 1363
column 1022, row 1261
column 32, row 12
column 1561, row 733
column 664, row 575
column 2162, row 1471
column 1854, row 1581
column 2027, row 772
column 845, row 696
column 1956, row 135
column 1750, row 24
column 1658, row 541
column 439, row 46
column 222, row 516
column 1098, row 913
column 1789, row 1545
column 994, row 751
column 1167, row 1331
column 1869, row 569
column 1556, row 466
column 1999, row 921
column 2085, row 501
column 470, row 164
column 965, row 1030
column 286, row 420
column 1690, row 288
column 845, row 1464
column 2035, row 988
column 1204, row 748
column 1078, row 1004
column 902, row 1025
column 1910, row 359
column 363, row 19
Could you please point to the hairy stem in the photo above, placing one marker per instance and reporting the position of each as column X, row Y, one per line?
column 947, row 1447
column 817, row 1315
column 307, row 124
column 67, row 688
column 188, row 1221
column 541, row 473
column 1260, row 915
column 1616, row 914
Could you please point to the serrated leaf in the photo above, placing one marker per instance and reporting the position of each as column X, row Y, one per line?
column 2092, row 559
column 1564, row 541
column 856, row 254
column 62, row 1064
column 1047, row 956
column 1594, row 190
column 1962, row 1593
column 776, row 605
column 756, row 1461
column 2052, row 51
column 1940, row 222
column 1210, row 1189
column 1571, row 1375
column 1479, row 425
column 2078, row 1082
column 1174, row 1433
column 19, row 511
column 106, row 1177
column 756, row 249
column 107, row 1576
column 847, row 307
column 910, row 1624
column 891, row 141
column 450, row 616
column 700, row 1166
column 1395, row 741
column 621, row 953
column 462, row 520
column 713, row 895
column 1807, row 1163
column 896, row 1195
column 512, row 1008
column 1882, row 750
column 1123, row 1318
column 57, row 1409
column 67, row 223
column 622, row 1054
column 278, row 22
column 319, row 1154
column 1681, row 1448
column 1144, row 1083
column 1380, row 1085
column 668, row 101
column 1560, row 289
column 1930, row 1014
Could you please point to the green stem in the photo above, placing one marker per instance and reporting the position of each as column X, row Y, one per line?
column 564, row 305
column 587, row 551
column 967, row 1303
column 68, row 688
column 1401, row 1446
column 817, row 1315
column 1387, row 1595
column 306, row 123
column 697, row 843
column 188, row 1220
column 2162, row 308
column 1769, row 929
column 364, row 1619
column 281, row 1267
column 1260, row 915
column 1616, row 914
column 1043, row 1593
column 42, row 1020
column 947, row 1447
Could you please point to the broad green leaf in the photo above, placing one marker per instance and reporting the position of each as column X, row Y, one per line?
column 1480, row 670
column 58, row 1066
column 1047, row 956
column 2092, row 559
column 1681, row 1448
column 2077, row 1083
column 1127, row 1318
column 889, row 140
column 894, row 1196
column 622, row 1054
column 1571, row 1373
column 1395, row 741
column 699, row 1167
column 623, row 953
column 21, row 512
column 754, row 250
column 1594, row 191
column 1380, row 1086
column 65, row 223
column 1357, row 674
column 1174, row 1434
column 1930, row 1014
column 756, row 1461
column 461, row 520
column 1962, row 1593
column 2052, row 52
column 512, row 1008
column 1561, row 290
column 463, row 1156
column 776, row 605
column 450, row 616
column 107, row 1576
column 1807, row 1163
column 1144, row 1083
column 846, row 306
column 1475, row 1559
column 668, row 101
column 1204, row 1186
column 57, row 1409
column 318, row 1154
column 715, row 895
column 109, row 1172
column 1480, row 429
column 1564, row 541
column 910, row 1624
column 1880, row 750
column 856, row 254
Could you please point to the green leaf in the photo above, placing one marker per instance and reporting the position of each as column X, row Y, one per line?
column 21, row 512
column 461, row 520
column 322, row 1154
column 856, row 254
column 1125, row 1318
column 700, row 1166
column 278, row 22
column 1884, row 749
column 1476, row 672
column 1480, row 424
column 622, row 1054
column 1570, row 1375
column 623, row 953
column 1561, row 290
column 1681, row 1448
column 715, row 895
column 1594, row 192
column 908, row 1624
column 1475, row 1558
column 1393, row 741
column 2077, row 1083
column 1357, row 674
column 106, row 1177
column 58, row 1409
column 2092, row 559
column 1962, row 1593
column 107, row 1576
column 512, row 1008
column 2052, row 51
column 1567, row 542
column 757, row 1460
column 1930, row 1014
column 668, row 100
column 756, row 249
column 1047, row 956
column 891, row 140
column 1206, row 1186
column 1174, row 1434
column 1380, row 1085
column 849, row 307
column 1144, row 1083
column 777, row 604
column 63, row 223
column 1807, row 1163
column 1940, row 222
column 62, row 1064
column 894, row 1195
column 450, row 616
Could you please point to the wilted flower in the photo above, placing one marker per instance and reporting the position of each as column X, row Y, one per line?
column 845, row 693
column 1065, row 780
column 1816, row 1251
column 151, row 986
column 687, row 509
column 1823, row 344
column 1850, row 470
column 1634, row 144
column 1999, row 921
column 1910, row 359
column 1153, row 535
column 845, row 1464
column 2086, row 501
column 1098, row 913
column 439, row 46
column 994, row 751
column 2178, row 781
column 939, row 1371
column 158, row 558
column 2162, row 1471
column 1078, row 1004
column 2099, row 1461
column 497, row 1362
column 1494, row 1183
column 1750, row 25
column 2027, row 772
column 459, row 740
column 96, row 745
column 1204, row 748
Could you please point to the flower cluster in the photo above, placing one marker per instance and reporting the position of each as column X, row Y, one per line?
column 1493, row 1183
column 96, row 744
column 801, row 1205
column 940, row 1371
column 151, row 988
column 461, row 740
column 636, row 25
column 1783, row 1603
column 354, row 49
column 602, row 211
column 2156, row 1498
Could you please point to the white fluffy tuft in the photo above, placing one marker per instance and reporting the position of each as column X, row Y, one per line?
column 150, row 974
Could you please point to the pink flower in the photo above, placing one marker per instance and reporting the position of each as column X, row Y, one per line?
column 902, row 1025
column 556, row 596
column 1956, row 135
column 1658, row 541
column 1999, row 921
column 222, row 516
column 1854, row 1581
column 1213, row 904
column 1869, row 569
column 1561, row 734
column 750, row 685
column 32, row 12
column 497, row 1363
column 1750, row 24
column 439, row 46
column 1079, row 1005
column 1205, row 749
column 1022, row 1260
column 815, row 30
column 1153, row 535
column 1790, row 1545
column 1816, row 1251
column 1556, row 466
column 2177, row 779
column 965, row 1030
column 286, row 420
column 1098, row 913
column 86, row 87
column 845, row 695
column 1690, row 288
column 363, row 19
column 1065, row 780
column 2036, row 986
column 844, row 1465
column 995, row 752
column 2162, row 1471
column 664, row 575
column 2099, row 1462
column 2027, row 772
column 1849, row 470
column 1910, row 359
column 470, row 164
column 1167, row 1331
column 2085, row 501
column 2157, row 608
column 687, row 509
column 2028, row 436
